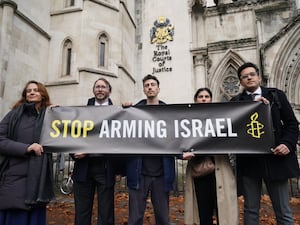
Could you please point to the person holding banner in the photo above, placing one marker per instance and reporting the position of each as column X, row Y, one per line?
column 150, row 174
column 214, row 191
column 276, row 168
column 26, row 177
column 94, row 172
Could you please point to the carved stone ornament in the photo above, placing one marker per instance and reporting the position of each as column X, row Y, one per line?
column 162, row 31
column 191, row 3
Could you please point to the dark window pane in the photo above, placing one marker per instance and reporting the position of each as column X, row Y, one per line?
column 102, row 54
column 69, row 55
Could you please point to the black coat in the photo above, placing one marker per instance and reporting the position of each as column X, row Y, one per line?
column 274, row 167
column 113, row 165
column 27, row 179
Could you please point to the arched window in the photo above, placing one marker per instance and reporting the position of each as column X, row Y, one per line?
column 103, row 51
column 230, row 84
column 67, row 58
column 69, row 3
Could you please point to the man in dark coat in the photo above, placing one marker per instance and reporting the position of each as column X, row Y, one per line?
column 94, row 172
column 147, row 174
column 274, row 169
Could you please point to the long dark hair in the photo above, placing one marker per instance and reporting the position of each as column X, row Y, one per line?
column 200, row 90
column 41, row 88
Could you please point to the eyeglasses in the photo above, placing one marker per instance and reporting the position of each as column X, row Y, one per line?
column 245, row 76
column 102, row 87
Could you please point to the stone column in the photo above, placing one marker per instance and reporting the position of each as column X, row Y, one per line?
column 8, row 10
column 199, row 71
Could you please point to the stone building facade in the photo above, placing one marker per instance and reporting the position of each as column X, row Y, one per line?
column 187, row 44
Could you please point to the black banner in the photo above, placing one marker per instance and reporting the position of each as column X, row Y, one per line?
column 215, row 128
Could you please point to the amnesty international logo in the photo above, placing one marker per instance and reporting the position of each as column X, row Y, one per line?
column 256, row 128
column 162, row 31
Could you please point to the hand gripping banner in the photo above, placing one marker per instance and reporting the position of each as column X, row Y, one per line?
column 215, row 128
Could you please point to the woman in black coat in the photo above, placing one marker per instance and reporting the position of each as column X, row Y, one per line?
column 26, row 184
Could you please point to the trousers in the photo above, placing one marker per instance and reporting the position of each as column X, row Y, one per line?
column 205, row 188
column 279, row 195
column 159, row 198
column 84, row 197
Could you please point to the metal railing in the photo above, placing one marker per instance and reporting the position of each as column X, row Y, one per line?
column 63, row 166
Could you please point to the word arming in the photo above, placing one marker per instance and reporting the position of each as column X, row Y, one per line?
column 185, row 128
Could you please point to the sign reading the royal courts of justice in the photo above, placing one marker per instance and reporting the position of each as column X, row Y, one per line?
column 216, row 128
column 160, row 34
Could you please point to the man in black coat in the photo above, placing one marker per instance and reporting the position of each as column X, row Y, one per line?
column 274, row 169
column 94, row 172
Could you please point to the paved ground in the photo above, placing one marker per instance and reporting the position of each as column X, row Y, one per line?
column 61, row 212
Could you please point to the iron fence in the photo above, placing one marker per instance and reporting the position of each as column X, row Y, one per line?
column 63, row 166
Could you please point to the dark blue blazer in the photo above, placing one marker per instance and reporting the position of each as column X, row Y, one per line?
column 134, row 167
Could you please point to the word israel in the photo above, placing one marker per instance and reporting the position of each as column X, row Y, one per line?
column 158, row 129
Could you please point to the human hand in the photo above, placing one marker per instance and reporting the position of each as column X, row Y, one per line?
column 126, row 104
column 36, row 148
column 118, row 178
column 281, row 149
column 53, row 106
column 262, row 99
column 188, row 155
column 79, row 155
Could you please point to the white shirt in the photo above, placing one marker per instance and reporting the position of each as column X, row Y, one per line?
column 98, row 104
column 257, row 93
